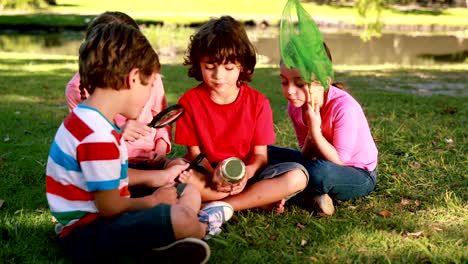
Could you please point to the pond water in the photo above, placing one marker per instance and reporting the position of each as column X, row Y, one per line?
column 346, row 48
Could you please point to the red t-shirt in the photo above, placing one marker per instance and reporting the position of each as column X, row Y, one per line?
column 223, row 131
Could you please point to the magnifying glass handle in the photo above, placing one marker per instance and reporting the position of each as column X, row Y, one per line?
column 192, row 165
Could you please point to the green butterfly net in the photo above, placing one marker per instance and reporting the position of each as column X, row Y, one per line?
column 301, row 44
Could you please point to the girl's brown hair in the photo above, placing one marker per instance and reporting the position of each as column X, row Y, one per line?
column 110, row 52
column 336, row 84
column 105, row 19
column 222, row 40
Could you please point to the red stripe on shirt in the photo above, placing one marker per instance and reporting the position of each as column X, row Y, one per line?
column 67, row 191
column 117, row 136
column 97, row 151
column 124, row 192
column 77, row 127
column 83, row 221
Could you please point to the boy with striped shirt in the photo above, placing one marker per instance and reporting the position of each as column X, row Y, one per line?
column 87, row 181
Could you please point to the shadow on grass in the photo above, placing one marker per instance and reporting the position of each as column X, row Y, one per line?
column 425, row 12
column 457, row 57
column 417, row 162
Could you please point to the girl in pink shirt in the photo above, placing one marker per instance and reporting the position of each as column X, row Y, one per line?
column 336, row 145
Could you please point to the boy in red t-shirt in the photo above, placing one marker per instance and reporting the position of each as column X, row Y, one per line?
column 227, row 118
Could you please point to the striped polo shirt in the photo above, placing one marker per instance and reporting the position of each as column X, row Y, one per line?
column 88, row 154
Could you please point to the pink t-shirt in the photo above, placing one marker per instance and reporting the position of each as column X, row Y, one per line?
column 223, row 131
column 143, row 148
column 345, row 126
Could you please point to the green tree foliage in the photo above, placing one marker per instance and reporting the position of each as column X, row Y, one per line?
column 370, row 17
column 23, row 4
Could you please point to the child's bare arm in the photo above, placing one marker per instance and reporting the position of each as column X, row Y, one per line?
column 110, row 203
column 257, row 161
column 156, row 178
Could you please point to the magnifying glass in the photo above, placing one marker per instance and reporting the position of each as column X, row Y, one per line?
column 196, row 161
column 167, row 116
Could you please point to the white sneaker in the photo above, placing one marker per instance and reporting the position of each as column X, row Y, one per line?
column 325, row 203
column 186, row 250
column 215, row 214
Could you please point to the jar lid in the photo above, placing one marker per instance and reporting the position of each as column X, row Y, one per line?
column 233, row 169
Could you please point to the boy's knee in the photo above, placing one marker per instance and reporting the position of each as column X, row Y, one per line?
column 184, row 222
column 190, row 190
column 297, row 179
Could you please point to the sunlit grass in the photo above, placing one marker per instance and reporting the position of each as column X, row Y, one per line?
column 422, row 143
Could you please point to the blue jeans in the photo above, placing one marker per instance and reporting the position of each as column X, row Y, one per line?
column 340, row 182
column 108, row 240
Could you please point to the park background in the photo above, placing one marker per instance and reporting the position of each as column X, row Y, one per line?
column 416, row 107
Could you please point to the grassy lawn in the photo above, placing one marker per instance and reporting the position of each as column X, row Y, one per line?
column 76, row 13
column 418, row 213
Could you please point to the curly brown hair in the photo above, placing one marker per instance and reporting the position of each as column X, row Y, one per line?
column 110, row 52
column 222, row 40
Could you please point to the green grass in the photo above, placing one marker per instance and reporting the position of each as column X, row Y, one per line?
column 422, row 180
column 76, row 13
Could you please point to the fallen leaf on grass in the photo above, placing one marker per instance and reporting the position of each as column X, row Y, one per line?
column 450, row 110
column 413, row 235
column 404, row 202
column 435, row 228
column 415, row 165
column 303, row 242
column 417, row 203
column 313, row 258
column 385, row 213
column 39, row 210
column 300, row 226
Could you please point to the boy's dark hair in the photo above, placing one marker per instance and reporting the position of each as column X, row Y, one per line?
column 223, row 40
column 110, row 52
column 110, row 17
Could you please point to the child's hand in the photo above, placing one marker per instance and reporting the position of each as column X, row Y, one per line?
column 133, row 130
column 218, row 180
column 166, row 194
column 177, row 169
column 238, row 187
column 314, row 120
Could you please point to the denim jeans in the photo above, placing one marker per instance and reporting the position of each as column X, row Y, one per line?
column 340, row 182
column 108, row 240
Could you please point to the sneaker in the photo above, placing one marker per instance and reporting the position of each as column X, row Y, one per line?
column 186, row 250
column 325, row 203
column 215, row 214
